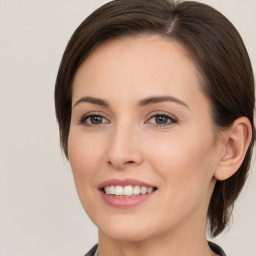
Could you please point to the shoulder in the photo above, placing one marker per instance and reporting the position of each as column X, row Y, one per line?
column 216, row 248
column 92, row 251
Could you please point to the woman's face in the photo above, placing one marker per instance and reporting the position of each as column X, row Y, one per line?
column 139, row 119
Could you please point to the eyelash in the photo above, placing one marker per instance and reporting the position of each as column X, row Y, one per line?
column 83, row 119
column 172, row 119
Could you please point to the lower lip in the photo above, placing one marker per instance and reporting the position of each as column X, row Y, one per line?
column 125, row 201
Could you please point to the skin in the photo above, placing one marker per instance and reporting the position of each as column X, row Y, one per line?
column 179, row 158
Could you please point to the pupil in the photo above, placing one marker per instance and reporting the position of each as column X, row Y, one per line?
column 96, row 119
column 161, row 119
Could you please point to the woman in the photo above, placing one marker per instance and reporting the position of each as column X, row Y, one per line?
column 155, row 100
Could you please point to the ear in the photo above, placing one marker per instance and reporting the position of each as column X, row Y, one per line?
column 236, row 140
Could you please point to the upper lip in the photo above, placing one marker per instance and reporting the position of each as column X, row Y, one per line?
column 123, row 183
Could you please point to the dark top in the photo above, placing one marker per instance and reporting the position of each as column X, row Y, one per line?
column 214, row 247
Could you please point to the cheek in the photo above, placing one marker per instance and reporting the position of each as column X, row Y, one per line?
column 84, row 160
column 186, row 163
column 84, row 156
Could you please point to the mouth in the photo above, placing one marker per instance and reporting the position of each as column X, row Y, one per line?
column 127, row 191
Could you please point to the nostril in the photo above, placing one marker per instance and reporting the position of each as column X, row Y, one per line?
column 121, row 164
column 129, row 162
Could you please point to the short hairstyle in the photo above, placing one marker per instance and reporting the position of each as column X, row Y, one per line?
column 214, row 46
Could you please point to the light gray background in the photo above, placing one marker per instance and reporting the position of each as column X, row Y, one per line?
column 40, row 213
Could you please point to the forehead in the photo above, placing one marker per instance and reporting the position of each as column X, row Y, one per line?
column 135, row 66
column 141, row 50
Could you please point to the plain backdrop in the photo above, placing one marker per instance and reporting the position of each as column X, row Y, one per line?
column 40, row 213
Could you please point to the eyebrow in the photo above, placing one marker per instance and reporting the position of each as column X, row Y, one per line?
column 92, row 100
column 142, row 103
column 153, row 100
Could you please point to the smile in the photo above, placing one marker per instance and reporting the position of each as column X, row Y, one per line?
column 128, row 190
column 125, row 193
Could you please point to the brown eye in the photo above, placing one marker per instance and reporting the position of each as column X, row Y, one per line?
column 162, row 119
column 93, row 120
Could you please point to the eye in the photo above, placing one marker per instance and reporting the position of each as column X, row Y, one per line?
column 93, row 119
column 162, row 119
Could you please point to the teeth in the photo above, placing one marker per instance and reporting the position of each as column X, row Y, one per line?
column 150, row 189
column 112, row 190
column 127, row 190
column 119, row 191
column 136, row 190
column 143, row 190
column 107, row 190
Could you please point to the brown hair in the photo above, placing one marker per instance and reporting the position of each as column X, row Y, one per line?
column 214, row 45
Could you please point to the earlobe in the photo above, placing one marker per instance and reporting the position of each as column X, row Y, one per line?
column 236, row 141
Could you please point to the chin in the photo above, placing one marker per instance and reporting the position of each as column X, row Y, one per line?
column 127, row 235
column 129, row 231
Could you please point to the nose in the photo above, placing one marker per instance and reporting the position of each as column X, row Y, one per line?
column 124, row 149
